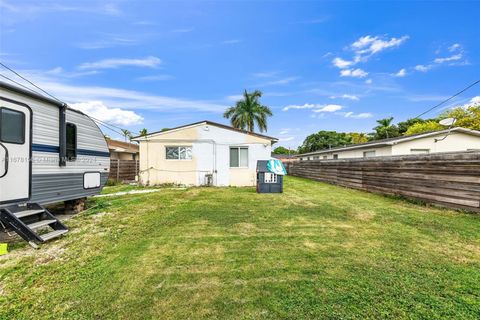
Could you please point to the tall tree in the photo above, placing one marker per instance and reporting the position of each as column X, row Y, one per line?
column 385, row 129
column 126, row 134
column 358, row 137
column 283, row 150
column 143, row 132
column 324, row 140
column 249, row 112
column 468, row 117
column 421, row 127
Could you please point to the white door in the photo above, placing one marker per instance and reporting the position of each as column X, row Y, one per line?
column 15, row 146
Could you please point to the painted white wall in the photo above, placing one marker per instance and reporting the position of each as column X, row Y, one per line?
column 455, row 141
column 210, row 153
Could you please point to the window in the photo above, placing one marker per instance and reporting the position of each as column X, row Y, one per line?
column 12, row 126
column 178, row 153
column 270, row 177
column 71, row 142
column 419, row 151
column 316, row 157
column 238, row 157
column 335, row 156
column 324, row 157
column 368, row 154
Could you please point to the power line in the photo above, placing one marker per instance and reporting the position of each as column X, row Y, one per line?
column 33, row 84
column 105, row 124
column 446, row 100
column 18, row 83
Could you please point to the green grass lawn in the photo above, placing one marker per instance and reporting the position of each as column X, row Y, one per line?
column 316, row 251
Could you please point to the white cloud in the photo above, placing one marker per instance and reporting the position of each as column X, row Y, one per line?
column 148, row 62
column 284, row 131
column 341, row 63
column 280, row 81
column 118, row 98
column 305, row 106
column 422, row 68
column 363, row 115
column 364, row 48
column 455, row 57
column 232, row 41
column 346, row 96
column 286, row 139
column 475, row 101
column 183, row 30
column 109, row 41
column 454, row 47
column 235, row 97
column 401, row 73
column 265, row 74
column 356, row 73
column 158, row 77
column 316, row 107
column 368, row 81
column 329, row 108
column 369, row 45
column 100, row 111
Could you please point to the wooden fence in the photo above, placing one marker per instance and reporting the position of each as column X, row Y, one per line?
column 449, row 179
column 123, row 170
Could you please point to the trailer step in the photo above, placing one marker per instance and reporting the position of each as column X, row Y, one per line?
column 25, row 220
column 53, row 234
column 40, row 223
column 27, row 213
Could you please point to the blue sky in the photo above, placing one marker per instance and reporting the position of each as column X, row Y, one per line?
column 321, row 65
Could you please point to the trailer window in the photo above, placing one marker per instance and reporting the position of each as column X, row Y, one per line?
column 12, row 126
column 71, row 142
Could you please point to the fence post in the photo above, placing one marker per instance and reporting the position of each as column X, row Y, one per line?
column 118, row 169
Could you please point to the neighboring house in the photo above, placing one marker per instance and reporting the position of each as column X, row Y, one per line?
column 285, row 158
column 120, row 150
column 456, row 139
column 202, row 153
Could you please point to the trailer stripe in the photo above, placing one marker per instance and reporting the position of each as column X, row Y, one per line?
column 82, row 152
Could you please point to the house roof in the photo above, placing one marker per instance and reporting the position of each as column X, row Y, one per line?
column 211, row 123
column 120, row 146
column 393, row 141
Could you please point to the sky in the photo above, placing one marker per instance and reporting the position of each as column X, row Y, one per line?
column 320, row 65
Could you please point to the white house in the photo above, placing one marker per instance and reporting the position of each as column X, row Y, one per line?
column 456, row 139
column 202, row 153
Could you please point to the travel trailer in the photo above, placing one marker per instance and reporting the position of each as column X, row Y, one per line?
column 48, row 153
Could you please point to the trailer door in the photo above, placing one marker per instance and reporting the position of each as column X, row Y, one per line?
column 15, row 151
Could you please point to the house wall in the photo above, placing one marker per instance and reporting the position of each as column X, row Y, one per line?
column 122, row 156
column 456, row 141
column 210, row 155
column 357, row 153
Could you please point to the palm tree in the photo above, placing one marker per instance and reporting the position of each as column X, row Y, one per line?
column 143, row 132
column 248, row 112
column 385, row 129
column 126, row 134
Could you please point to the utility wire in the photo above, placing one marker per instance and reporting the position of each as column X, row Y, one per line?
column 33, row 84
column 18, row 83
column 446, row 100
column 104, row 124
